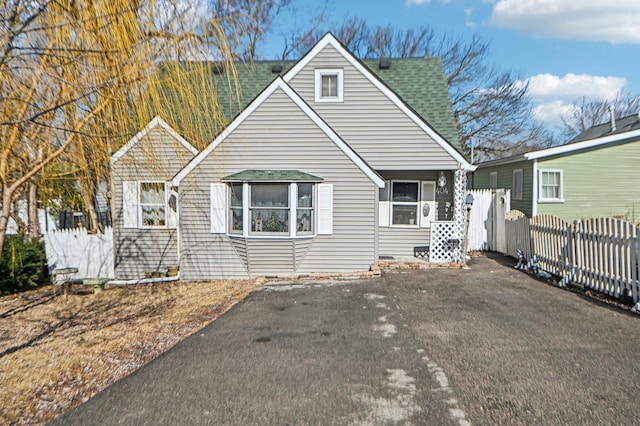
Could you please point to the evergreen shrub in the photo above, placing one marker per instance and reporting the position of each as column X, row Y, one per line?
column 22, row 265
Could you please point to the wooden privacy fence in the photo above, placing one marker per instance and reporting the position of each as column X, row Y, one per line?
column 601, row 254
column 517, row 234
column 92, row 254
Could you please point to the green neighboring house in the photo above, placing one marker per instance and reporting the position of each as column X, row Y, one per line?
column 595, row 174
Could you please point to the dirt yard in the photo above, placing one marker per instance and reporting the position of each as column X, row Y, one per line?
column 56, row 352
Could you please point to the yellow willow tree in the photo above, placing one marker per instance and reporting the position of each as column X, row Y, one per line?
column 79, row 77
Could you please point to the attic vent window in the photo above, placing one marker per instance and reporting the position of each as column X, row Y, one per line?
column 384, row 64
column 217, row 68
column 276, row 69
column 329, row 85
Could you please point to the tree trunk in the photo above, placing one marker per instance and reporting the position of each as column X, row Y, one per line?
column 33, row 224
column 4, row 216
column 91, row 217
column 14, row 213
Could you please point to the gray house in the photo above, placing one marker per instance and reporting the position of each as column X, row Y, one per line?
column 326, row 170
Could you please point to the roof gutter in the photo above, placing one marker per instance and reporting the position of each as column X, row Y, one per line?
column 581, row 145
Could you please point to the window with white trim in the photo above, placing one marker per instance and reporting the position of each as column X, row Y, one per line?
column 404, row 203
column 493, row 180
column 550, row 186
column 236, row 209
column 152, row 204
column 269, row 208
column 305, row 219
column 266, row 209
column 516, row 185
column 329, row 85
column 149, row 205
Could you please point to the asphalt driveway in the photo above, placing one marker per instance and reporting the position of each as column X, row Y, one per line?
column 486, row 345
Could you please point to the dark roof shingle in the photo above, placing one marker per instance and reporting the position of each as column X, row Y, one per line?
column 419, row 82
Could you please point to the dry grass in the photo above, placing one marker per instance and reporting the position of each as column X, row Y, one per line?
column 57, row 352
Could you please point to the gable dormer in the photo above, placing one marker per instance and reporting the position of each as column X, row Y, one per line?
column 369, row 115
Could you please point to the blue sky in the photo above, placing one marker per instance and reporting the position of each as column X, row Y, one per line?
column 565, row 49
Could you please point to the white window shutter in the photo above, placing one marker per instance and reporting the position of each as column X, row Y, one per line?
column 325, row 209
column 172, row 209
column 383, row 213
column 130, row 204
column 428, row 206
column 218, row 208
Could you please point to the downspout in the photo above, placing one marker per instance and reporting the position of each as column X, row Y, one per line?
column 534, row 201
column 376, row 225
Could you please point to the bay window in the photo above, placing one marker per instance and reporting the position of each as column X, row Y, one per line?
column 269, row 209
column 272, row 203
column 235, row 214
column 305, row 211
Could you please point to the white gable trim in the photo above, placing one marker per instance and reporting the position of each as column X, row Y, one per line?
column 329, row 39
column 581, row 145
column 157, row 121
column 279, row 83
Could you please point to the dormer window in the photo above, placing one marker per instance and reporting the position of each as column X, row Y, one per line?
column 328, row 85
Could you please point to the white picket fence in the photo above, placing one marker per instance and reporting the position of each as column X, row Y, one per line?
column 602, row 254
column 486, row 219
column 92, row 254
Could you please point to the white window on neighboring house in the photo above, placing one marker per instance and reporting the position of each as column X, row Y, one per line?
column 516, row 187
column 329, row 85
column 550, row 186
column 152, row 204
column 493, row 180
column 404, row 203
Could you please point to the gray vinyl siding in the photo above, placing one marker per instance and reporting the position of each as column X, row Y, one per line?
column 397, row 241
column 480, row 180
column 373, row 125
column 156, row 157
column 266, row 140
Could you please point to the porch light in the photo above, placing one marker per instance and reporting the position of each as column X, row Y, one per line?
column 468, row 201
column 442, row 180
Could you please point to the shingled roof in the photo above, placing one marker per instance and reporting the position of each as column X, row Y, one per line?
column 419, row 82
column 623, row 125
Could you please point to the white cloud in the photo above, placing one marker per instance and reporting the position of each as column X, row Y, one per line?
column 574, row 86
column 419, row 2
column 554, row 95
column 551, row 113
column 594, row 20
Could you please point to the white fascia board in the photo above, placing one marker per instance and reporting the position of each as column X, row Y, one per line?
column 225, row 133
column 348, row 151
column 581, row 145
column 279, row 83
column 157, row 121
column 329, row 39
